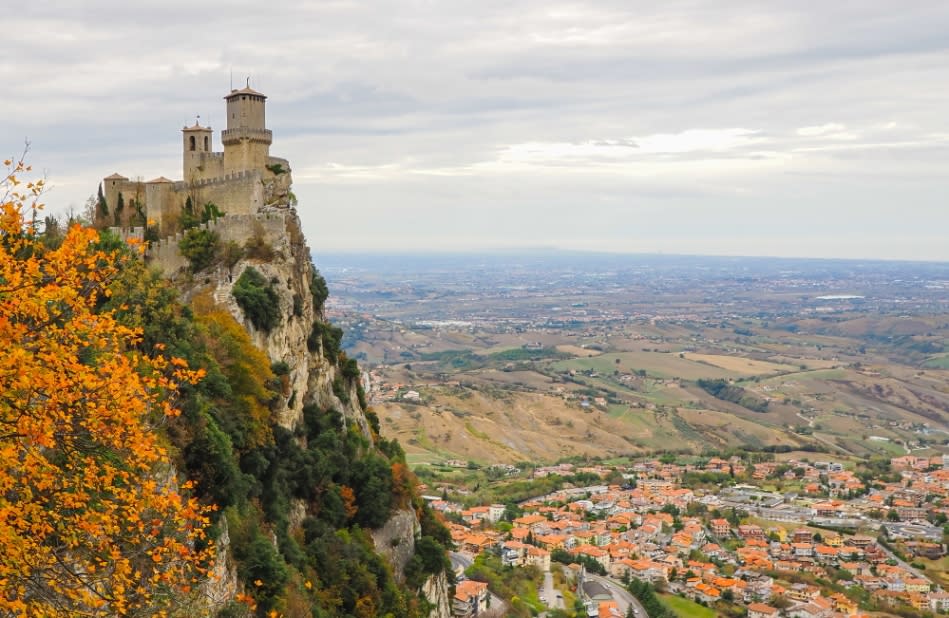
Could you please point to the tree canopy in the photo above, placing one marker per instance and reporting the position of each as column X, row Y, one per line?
column 92, row 518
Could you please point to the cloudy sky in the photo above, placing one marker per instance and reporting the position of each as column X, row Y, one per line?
column 787, row 127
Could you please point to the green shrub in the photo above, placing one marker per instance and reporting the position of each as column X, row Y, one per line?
column 339, row 389
column 318, row 289
column 258, row 299
column 192, row 217
column 199, row 247
column 327, row 335
column 351, row 369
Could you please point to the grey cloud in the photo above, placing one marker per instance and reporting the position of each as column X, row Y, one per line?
column 418, row 113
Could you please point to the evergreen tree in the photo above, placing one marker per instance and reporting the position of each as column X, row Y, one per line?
column 119, row 207
column 102, row 208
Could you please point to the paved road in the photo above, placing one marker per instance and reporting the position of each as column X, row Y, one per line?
column 903, row 564
column 550, row 593
column 621, row 595
column 459, row 561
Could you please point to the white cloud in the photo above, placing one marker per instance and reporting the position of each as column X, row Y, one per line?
column 824, row 129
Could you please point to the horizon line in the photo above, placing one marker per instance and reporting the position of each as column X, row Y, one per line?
column 422, row 252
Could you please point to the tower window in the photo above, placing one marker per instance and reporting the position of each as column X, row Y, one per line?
column 205, row 143
column 191, row 141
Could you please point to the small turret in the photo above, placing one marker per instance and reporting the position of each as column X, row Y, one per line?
column 196, row 146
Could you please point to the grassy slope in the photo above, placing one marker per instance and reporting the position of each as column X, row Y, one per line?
column 685, row 608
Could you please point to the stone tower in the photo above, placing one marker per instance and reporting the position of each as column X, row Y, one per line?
column 196, row 146
column 246, row 138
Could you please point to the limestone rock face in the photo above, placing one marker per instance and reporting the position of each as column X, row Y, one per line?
column 277, row 249
column 274, row 245
column 222, row 584
column 438, row 593
column 396, row 539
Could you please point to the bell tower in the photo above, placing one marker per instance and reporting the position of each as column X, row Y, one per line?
column 246, row 138
column 196, row 148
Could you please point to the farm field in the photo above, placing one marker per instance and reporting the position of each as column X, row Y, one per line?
column 499, row 364
column 743, row 366
column 658, row 364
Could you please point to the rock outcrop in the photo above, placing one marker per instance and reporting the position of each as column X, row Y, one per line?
column 438, row 593
column 271, row 242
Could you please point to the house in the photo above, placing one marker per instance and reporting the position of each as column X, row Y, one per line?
column 826, row 553
column 471, row 599
column 495, row 512
column 760, row 610
column 591, row 551
column 707, row 593
column 530, row 521
column 916, row 584
column 720, row 527
column 538, row 557
column 843, row 605
column 476, row 543
column 808, row 610
column 803, row 592
column 750, row 531
column 609, row 609
column 514, row 553
column 939, row 601
column 802, row 549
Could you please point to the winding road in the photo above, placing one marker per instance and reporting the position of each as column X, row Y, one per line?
column 621, row 595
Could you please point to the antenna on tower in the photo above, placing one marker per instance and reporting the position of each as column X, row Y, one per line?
column 248, row 81
column 232, row 78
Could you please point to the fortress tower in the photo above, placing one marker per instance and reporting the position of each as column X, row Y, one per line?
column 246, row 138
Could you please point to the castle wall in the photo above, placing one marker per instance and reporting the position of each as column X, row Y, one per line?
column 239, row 228
column 203, row 166
column 240, row 193
column 159, row 199
column 165, row 255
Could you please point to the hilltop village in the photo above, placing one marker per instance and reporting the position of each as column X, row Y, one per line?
column 718, row 534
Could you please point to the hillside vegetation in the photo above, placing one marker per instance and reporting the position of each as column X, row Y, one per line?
column 165, row 478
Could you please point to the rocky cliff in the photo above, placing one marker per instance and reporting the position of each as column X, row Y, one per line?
column 314, row 375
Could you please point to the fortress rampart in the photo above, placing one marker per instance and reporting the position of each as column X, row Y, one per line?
column 270, row 227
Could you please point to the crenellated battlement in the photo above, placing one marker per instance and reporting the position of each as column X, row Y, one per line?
column 233, row 136
column 181, row 185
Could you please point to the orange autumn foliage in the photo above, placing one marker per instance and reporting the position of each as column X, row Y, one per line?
column 402, row 483
column 349, row 500
column 92, row 520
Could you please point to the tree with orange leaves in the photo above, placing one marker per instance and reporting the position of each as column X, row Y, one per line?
column 92, row 519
